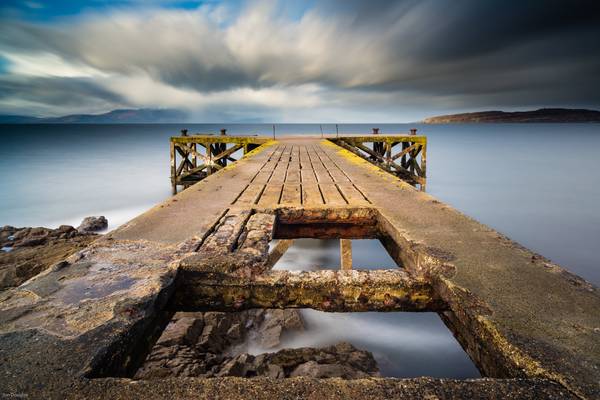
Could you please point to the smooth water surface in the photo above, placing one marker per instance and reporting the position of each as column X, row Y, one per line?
column 404, row 344
column 537, row 183
column 319, row 254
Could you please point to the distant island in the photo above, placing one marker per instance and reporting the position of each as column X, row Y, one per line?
column 134, row 116
column 541, row 115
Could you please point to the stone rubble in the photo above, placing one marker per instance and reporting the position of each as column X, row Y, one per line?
column 216, row 344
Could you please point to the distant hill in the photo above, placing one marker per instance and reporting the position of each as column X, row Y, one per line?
column 541, row 115
column 144, row 115
column 18, row 119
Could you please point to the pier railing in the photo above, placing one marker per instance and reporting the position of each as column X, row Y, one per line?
column 194, row 157
column 402, row 155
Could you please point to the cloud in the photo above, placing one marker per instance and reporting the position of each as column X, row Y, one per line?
column 385, row 59
column 52, row 96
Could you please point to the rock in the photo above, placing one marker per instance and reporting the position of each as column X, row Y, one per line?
column 235, row 332
column 275, row 371
column 30, row 242
column 93, row 224
column 184, row 330
column 238, row 366
column 32, row 250
column 292, row 320
column 213, row 343
column 342, row 361
column 271, row 329
column 214, row 337
column 316, row 370
column 275, row 323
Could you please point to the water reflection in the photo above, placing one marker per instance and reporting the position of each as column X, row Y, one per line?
column 319, row 254
column 404, row 344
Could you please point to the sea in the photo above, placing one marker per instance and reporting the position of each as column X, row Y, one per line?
column 538, row 184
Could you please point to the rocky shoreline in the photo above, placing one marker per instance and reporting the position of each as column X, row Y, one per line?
column 28, row 251
column 194, row 344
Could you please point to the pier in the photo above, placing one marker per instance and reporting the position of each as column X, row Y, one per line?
column 84, row 327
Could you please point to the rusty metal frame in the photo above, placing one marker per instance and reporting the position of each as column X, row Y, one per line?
column 195, row 157
column 384, row 151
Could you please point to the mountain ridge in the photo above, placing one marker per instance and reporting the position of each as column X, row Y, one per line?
column 540, row 115
column 119, row 116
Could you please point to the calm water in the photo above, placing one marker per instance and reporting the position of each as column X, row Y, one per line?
column 404, row 344
column 537, row 183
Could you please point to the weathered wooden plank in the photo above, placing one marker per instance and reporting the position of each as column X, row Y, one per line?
column 278, row 251
column 322, row 175
column 225, row 153
column 295, row 156
column 367, row 150
column 338, row 175
column 291, row 195
column 271, row 195
column 331, row 194
column 219, row 139
column 308, row 176
column 326, row 161
column 279, row 173
column 262, row 177
column 304, row 159
column 311, row 195
column 250, row 195
column 345, row 254
column 314, row 158
column 387, row 138
column 406, row 150
column 293, row 174
column 273, row 159
column 352, row 194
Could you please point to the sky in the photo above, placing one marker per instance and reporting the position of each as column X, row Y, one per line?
column 294, row 61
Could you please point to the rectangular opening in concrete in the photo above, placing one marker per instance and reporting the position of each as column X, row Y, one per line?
column 349, row 238
column 306, row 254
column 288, row 343
column 404, row 345
column 237, row 321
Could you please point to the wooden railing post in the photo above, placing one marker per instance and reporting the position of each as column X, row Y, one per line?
column 173, row 154
column 345, row 254
column 424, row 166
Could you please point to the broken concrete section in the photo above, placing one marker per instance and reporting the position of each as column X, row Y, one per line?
column 94, row 312
column 382, row 290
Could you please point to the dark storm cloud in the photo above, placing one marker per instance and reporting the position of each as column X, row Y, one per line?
column 127, row 46
column 462, row 54
column 68, row 93
column 472, row 29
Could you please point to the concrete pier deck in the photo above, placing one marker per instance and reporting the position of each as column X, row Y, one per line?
column 82, row 328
